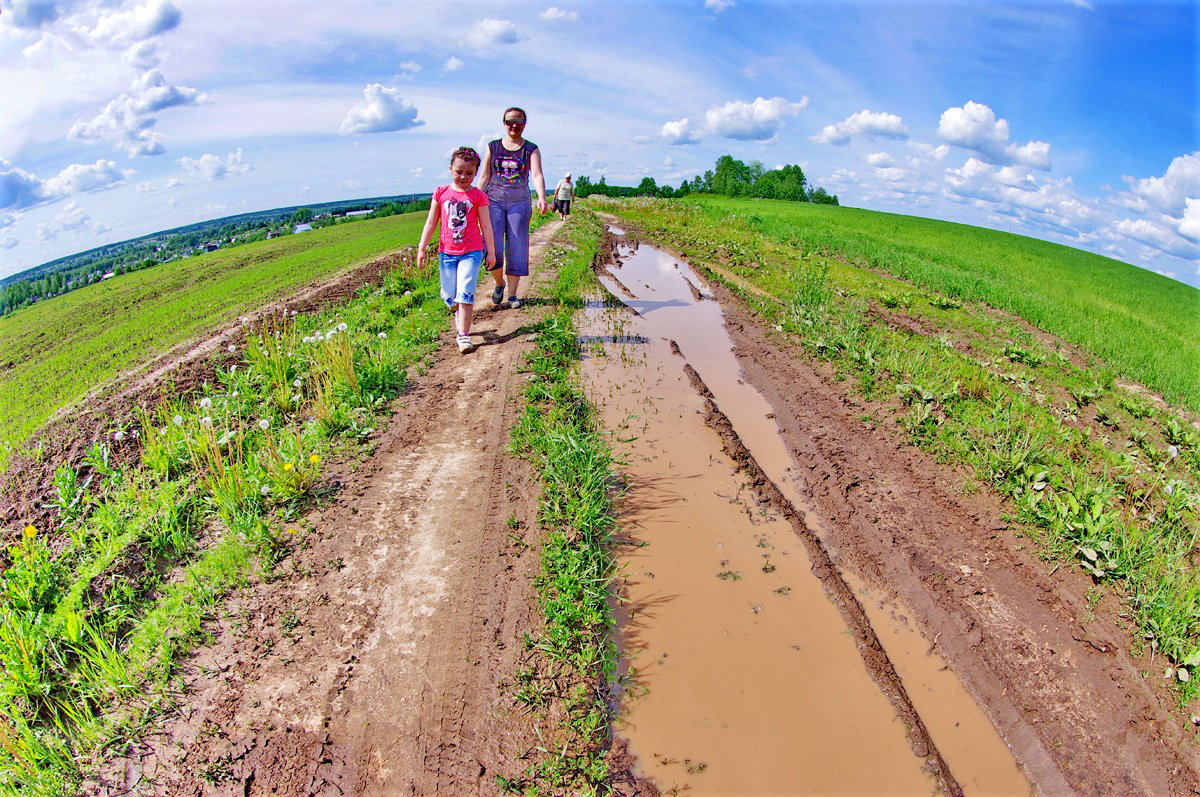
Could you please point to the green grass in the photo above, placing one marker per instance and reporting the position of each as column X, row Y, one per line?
column 1143, row 325
column 574, row 656
column 1100, row 476
column 95, row 613
column 55, row 352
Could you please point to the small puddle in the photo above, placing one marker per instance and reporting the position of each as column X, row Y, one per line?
column 741, row 675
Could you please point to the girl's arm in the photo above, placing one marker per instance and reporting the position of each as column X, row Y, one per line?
column 427, row 232
column 485, row 169
column 485, row 226
column 539, row 182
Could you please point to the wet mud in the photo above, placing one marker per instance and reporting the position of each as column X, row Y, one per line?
column 751, row 666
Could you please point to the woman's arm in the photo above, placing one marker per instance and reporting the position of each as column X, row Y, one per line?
column 485, row 169
column 427, row 232
column 539, row 182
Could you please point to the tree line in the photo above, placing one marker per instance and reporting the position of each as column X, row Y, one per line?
column 729, row 177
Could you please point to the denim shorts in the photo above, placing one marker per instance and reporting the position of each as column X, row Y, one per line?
column 458, row 274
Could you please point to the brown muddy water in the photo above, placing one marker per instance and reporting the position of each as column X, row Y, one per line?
column 741, row 676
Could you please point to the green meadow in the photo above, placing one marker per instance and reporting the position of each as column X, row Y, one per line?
column 1142, row 324
column 55, row 352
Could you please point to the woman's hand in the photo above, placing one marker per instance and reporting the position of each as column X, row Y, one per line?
column 491, row 259
column 541, row 205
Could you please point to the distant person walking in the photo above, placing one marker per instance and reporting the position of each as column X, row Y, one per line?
column 564, row 192
column 507, row 167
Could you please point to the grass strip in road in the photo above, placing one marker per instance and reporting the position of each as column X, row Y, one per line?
column 1103, row 478
column 95, row 613
column 573, row 657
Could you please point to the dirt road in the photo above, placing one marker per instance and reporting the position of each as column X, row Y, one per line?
column 377, row 663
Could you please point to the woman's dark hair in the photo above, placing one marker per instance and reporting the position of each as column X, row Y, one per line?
column 514, row 108
column 465, row 154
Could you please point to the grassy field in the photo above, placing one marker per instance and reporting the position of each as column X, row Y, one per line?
column 1101, row 476
column 95, row 612
column 55, row 352
column 1143, row 325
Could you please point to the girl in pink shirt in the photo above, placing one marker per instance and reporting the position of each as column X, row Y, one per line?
column 465, row 241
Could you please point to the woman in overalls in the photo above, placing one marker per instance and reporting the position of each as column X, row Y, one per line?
column 509, row 164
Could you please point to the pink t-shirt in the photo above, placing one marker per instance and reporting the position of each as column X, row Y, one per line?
column 460, row 219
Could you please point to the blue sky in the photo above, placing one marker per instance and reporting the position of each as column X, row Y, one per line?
column 1072, row 120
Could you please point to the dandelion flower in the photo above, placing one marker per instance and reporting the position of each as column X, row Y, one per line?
column 205, row 403
column 293, row 314
column 1169, row 489
column 287, row 466
column 234, row 394
column 296, row 383
column 118, row 436
column 135, row 434
column 264, row 424
column 342, row 327
column 177, row 420
column 314, row 459
column 162, row 432
column 296, row 398
column 1172, row 452
column 291, row 531
column 232, row 348
column 264, row 489
column 383, row 336
column 306, row 339
column 408, row 293
column 233, row 369
column 206, row 422
column 30, row 532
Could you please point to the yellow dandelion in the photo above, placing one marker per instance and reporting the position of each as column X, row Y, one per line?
column 287, row 466
column 314, row 459
column 30, row 532
column 291, row 531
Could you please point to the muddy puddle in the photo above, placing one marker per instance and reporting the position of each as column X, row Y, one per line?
column 741, row 676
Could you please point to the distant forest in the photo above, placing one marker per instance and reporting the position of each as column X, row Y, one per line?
column 729, row 177
column 86, row 268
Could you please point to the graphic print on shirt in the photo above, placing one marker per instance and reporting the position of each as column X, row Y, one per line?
column 456, row 212
column 508, row 166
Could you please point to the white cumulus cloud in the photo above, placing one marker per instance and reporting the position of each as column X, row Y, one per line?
column 556, row 14
column 123, row 28
column 974, row 127
column 453, row 64
column 383, row 110
column 72, row 217
column 8, row 242
column 1170, row 192
column 759, row 120
column 21, row 189
column 679, row 132
column 127, row 120
column 489, row 32
column 879, row 159
column 864, row 123
column 208, row 168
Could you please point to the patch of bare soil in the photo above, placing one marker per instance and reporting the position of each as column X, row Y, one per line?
column 379, row 662
column 27, row 487
column 1054, row 673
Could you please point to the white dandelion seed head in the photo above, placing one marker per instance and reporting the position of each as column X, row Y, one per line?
column 296, row 399
column 206, row 422
column 264, row 423
column 408, row 293
column 342, row 327
column 1172, row 452
column 135, row 434
column 177, row 420
column 234, row 394
column 296, row 383
column 233, row 369
column 264, row 489
column 383, row 336
column 1169, row 489
column 232, row 348
column 118, row 436
column 162, row 432
column 205, row 403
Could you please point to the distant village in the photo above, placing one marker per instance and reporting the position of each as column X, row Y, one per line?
column 114, row 260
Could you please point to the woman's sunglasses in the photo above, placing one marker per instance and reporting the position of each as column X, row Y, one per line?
column 514, row 122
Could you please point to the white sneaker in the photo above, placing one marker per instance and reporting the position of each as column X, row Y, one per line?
column 465, row 345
